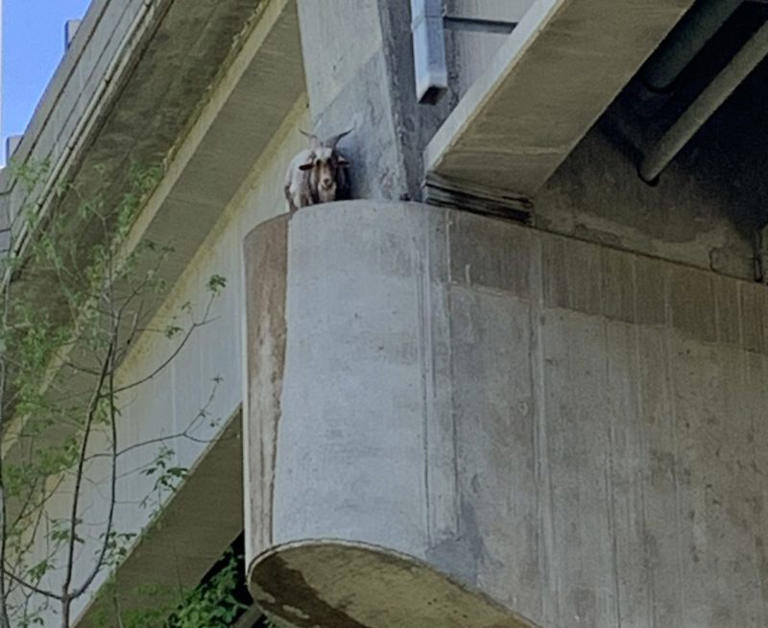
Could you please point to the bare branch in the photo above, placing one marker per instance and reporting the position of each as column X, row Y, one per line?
column 92, row 407
column 104, row 314
column 6, row 295
column 185, row 433
column 164, row 364
column 113, row 487
column 30, row 586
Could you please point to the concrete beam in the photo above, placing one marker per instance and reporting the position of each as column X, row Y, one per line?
column 192, row 532
column 549, row 82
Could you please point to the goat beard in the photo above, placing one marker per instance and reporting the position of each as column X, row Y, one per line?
column 326, row 195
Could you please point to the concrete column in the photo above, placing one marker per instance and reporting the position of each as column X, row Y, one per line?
column 353, row 504
column 457, row 421
column 358, row 61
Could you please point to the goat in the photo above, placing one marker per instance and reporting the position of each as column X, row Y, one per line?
column 317, row 174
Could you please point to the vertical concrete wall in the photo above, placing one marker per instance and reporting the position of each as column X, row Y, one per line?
column 349, row 86
column 470, row 51
column 568, row 430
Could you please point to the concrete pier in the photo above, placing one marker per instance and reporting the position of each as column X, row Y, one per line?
column 462, row 413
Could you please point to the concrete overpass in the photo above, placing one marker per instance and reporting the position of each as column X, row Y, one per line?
column 497, row 424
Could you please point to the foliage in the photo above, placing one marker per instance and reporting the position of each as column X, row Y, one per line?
column 75, row 299
column 212, row 604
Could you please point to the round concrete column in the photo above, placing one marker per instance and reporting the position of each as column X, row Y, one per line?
column 351, row 469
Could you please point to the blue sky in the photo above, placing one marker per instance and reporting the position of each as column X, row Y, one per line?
column 33, row 45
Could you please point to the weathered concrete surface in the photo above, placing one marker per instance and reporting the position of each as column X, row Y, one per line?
column 165, row 105
column 292, row 582
column 573, row 430
column 707, row 206
column 546, row 86
column 265, row 248
column 349, row 87
column 365, row 82
column 81, row 83
column 127, row 89
column 705, row 210
column 470, row 52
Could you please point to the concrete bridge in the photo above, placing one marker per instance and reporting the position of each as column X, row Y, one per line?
column 514, row 382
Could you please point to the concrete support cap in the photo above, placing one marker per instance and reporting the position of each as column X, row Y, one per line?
column 348, row 585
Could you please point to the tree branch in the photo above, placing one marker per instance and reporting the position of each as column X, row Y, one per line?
column 154, row 373
column 185, row 433
column 113, row 484
column 31, row 587
column 92, row 408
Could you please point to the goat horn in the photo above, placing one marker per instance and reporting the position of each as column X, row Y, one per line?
column 334, row 139
column 314, row 140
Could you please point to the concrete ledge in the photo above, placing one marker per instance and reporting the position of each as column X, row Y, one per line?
column 549, row 82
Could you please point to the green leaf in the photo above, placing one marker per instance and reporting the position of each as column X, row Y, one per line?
column 216, row 283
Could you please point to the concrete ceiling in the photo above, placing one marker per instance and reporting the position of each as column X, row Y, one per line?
column 549, row 82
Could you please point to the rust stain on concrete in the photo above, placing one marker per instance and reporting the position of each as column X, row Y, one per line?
column 265, row 253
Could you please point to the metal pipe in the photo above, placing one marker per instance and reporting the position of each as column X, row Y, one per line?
column 705, row 105
column 429, row 61
column 693, row 31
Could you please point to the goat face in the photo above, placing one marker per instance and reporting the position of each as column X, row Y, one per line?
column 323, row 166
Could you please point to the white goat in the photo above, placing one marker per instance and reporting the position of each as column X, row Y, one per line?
column 317, row 174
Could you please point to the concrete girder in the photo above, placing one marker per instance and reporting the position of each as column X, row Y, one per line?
column 549, row 82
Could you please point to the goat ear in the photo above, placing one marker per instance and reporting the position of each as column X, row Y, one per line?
column 306, row 166
column 342, row 162
column 333, row 140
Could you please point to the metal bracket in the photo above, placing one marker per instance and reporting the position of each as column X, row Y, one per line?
column 457, row 23
column 429, row 59
column 429, row 22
